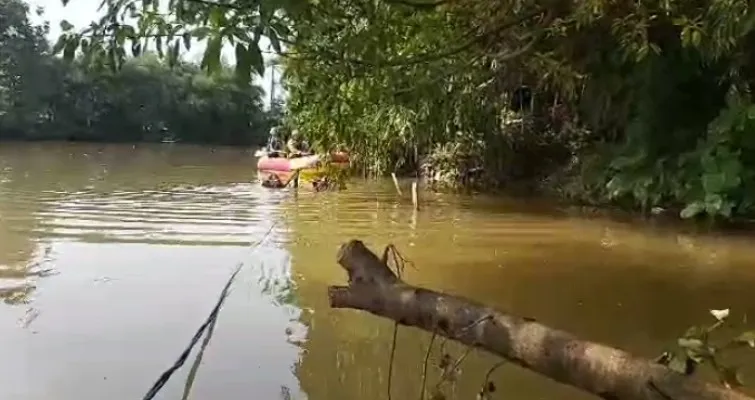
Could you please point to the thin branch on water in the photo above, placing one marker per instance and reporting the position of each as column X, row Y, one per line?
column 257, row 244
column 487, row 385
column 393, row 355
column 463, row 330
column 450, row 369
column 185, row 354
column 209, row 327
column 198, row 360
column 424, row 367
column 399, row 263
column 493, row 368
column 448, row 372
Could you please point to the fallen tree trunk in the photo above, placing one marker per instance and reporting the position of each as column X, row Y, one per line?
column 604, row 371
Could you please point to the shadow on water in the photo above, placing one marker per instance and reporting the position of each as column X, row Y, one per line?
column 142, row 239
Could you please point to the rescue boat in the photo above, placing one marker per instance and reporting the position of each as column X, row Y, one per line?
column 311, row 168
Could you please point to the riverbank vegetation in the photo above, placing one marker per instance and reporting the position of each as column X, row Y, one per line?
column 645, row 105
column 147, row 100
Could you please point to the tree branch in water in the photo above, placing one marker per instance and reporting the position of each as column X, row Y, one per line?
column 595, row 368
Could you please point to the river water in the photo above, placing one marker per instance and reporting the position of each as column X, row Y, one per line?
column 112, row 256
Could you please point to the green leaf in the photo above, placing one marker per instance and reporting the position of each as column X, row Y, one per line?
column 60, row 44
column 692, row 209
column 120, row 37
column 65, row 26
column 121, row 53
column 187, row 40
column 714, row 182
column 255, row 58
column 696, row 37
column 111, row 60
column 136, row 48
column 173, row 53
column 70, row 48
column 228, row 34
column 751, row 112
column 642, row 53
column 243, row 63
column 258, row 33
column 211, row 58
column 280, row 29
column 731, row 169
column 128, row 31
column 201, row 32
column 685, row 36
column 709, row 163
column 217, row 17
column 274, row 40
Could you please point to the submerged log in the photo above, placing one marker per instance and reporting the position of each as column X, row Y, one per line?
column 598, row 369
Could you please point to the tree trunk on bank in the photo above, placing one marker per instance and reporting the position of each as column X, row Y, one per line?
column 598, row 369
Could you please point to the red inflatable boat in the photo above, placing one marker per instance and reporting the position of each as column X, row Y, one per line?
column 310, row 167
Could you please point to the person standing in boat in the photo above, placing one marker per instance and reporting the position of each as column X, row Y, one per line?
column 296, row 146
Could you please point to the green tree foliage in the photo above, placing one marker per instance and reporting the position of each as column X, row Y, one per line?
column 146, row 99
column 644, row 104
column 22, row 64
column 651, row 99
column 168, row 27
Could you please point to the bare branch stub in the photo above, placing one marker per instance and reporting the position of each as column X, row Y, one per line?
column 363, row 266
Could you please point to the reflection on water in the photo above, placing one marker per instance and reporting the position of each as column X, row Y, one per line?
column 604, row 281
column 141, row 242
column 111, row 257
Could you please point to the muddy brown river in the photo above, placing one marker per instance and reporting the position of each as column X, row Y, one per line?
column 111, row 256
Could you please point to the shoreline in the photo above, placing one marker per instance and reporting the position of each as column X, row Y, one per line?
column 667, row 217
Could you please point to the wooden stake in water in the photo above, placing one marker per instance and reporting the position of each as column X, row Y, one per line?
column 395, row 183
column 415, row 200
